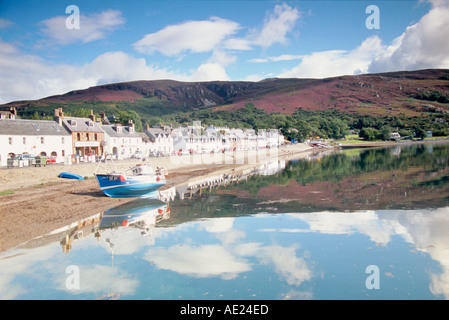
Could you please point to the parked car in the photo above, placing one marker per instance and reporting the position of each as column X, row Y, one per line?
column 51, row 159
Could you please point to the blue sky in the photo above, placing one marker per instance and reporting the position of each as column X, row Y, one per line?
column 193, row 40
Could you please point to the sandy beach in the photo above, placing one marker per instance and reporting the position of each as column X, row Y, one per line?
column 34, row 201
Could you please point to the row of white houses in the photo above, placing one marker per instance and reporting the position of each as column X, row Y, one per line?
column 70, row 139
column 197, row 139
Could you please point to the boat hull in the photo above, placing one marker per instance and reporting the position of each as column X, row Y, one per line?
column 120, row 187
column 68, row 175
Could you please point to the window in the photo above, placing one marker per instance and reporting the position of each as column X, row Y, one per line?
column 62, row 140
column 87, row 137
column 96, row 137
column 24, row 140
column 10, row 140
column 78, row 136
column 42, row 140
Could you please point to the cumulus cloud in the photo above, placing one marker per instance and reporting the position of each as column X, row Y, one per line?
column 193, row 36
column 422, row 45
column 276, row 26
column 331, row 63
column 92, row 27
column 199, row 261
column 24, row 76
column 4, row 23
column 294, row 270
column 28, row 77
column 218, row 36
column 282, row 57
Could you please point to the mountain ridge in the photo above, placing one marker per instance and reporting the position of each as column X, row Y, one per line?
column 380, row 94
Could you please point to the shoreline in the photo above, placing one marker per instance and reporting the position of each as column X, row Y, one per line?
column 374, row 144
column 41, row 202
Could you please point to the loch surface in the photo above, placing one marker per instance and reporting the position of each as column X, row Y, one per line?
column 353, row 224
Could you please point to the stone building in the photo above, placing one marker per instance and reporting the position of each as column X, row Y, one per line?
column 87, row 135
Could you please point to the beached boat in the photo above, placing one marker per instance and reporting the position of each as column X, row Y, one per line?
column 68, row 175
column 138, row 181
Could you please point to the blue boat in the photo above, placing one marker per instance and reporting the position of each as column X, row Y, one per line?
column 69, row 175
column 139, row 181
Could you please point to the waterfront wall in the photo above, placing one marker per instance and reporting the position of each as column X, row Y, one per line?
column 26, row 176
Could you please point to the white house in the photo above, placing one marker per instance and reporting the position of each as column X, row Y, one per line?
column 34, row 137
column 160, row 141
column 123, row 141
column 272, row 137
column 186, row 141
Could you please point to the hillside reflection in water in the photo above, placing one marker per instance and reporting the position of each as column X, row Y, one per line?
column 308, row 231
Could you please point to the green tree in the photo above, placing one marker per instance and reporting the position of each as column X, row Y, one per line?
column 337, row 129
column 420, row 133
column 125, row 116
column 369, row 134
column 81, row 113
column 385, row 133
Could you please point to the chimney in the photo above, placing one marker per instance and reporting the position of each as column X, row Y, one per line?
column 103, row 117
column 92, row 116
column 13, row 111
column 131, row 126
column 59, row 116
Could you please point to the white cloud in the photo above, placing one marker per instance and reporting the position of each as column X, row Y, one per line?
column 97, row 279
column 4, row 23
column 27, row 77
column 276, row 26
column 293, row 269
column 199, row 261
column 422, row 45
column 91, row 28
column 214, row 68
column 118, row 66
column 217, row 35
column 283, row 57
column 193, row 36
column 337, row 62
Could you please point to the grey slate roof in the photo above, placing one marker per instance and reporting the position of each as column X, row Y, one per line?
column 112, row 132
column 21, row 127
column 156, row 132
column 81, row 125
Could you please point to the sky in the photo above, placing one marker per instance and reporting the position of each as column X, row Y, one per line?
column 51, row 47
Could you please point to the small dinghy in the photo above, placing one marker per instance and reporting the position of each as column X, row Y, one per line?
column 68, row 175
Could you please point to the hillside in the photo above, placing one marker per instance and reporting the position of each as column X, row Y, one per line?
column 372, row 94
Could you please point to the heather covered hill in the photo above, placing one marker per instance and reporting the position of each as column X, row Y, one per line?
column 386, row 94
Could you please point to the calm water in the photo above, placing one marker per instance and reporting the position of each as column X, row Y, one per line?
column 356, row 224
